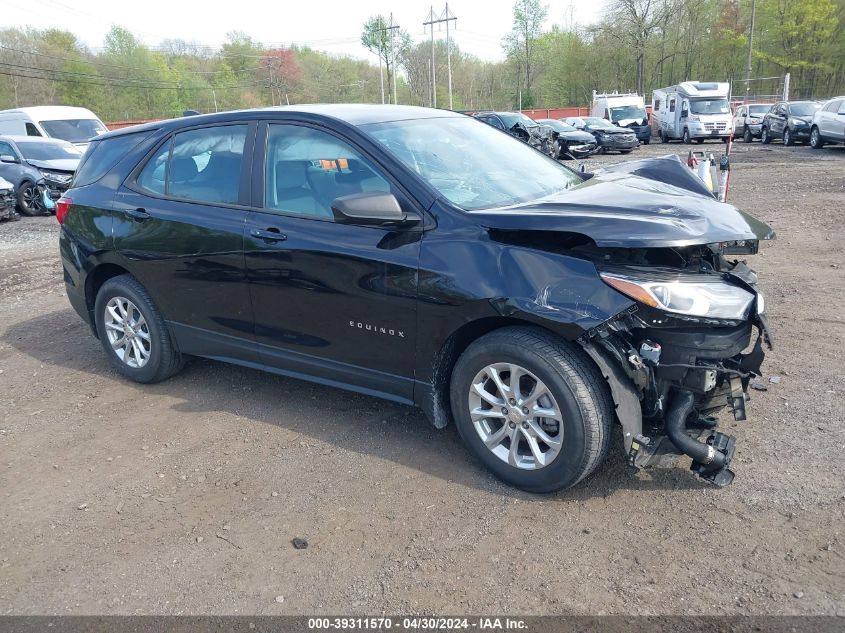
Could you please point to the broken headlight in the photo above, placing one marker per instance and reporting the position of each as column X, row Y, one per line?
column 713, row 299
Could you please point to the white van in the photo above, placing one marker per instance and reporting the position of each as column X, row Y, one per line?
column 68, row 123
column 624, row 110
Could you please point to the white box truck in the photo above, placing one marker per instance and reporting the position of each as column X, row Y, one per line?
column 68, row 123
column 692, row 110
column 625, row 110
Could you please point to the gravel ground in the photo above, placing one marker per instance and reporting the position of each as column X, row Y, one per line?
column 184, row 497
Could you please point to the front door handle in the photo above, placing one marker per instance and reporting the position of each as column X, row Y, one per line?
column 270, row 235
column 139, row 214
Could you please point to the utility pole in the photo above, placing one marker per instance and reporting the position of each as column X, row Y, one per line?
column 389, row 29
column 750, row 49
column 446, row 17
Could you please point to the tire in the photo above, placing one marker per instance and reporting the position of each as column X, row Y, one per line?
column 162, row 358
column 787, row 138
column 625, row 151
column 816, row 141
column 647, row 141
column 557, row 150
column 686, row 137
column 663, row 137
column 699, row 141
column 29, row 199
column 764, row 136
column 574, row 388
column 747, row 136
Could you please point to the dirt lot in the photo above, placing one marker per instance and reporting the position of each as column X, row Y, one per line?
column 183, row 497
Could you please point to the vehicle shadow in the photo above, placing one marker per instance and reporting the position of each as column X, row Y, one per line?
column 350, row 421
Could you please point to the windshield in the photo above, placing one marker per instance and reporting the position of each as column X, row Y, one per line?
column 627, row 112
column 557, row 126
column 758, row 109
column 808, row 108
column 35, row 150
column 471, row 164
column 74, row 130
column 709, row 106
column 512, row 119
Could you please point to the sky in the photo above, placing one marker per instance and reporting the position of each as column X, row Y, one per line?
column 333, row 26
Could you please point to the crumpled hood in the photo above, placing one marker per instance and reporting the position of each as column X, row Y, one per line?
column 629, row 122
column 625, row 206
column 59, row 164
column 578, row 136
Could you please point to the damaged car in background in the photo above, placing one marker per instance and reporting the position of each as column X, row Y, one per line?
column 568, row 142
column 432, row 261
column 7, row 200
column 539, row 136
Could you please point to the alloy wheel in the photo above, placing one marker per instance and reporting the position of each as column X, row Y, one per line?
column 31, row 200
column 127, row 332
column 516, row 416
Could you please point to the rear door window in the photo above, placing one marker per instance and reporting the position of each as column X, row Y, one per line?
column 205, row 164
column 202, row 165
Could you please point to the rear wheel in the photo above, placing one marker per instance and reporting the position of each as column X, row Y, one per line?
column 663, row 137
column 29, row 199
column 533, row 408
column 133, row 332
column 816, row 141
column 747, row 136
column 764, row 136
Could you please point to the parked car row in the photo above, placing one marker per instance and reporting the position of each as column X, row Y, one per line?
column 573, row 137
column 813, row 122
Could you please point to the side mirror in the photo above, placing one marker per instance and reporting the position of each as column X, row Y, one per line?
column 8, row 158
column 372, row 208
column 684, row 114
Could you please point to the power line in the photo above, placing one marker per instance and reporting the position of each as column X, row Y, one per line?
column 26, row 72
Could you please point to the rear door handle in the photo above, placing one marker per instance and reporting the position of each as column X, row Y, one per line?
column 270, row 235
column 139, row 215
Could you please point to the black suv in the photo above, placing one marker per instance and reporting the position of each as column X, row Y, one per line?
column 789, row 120
column 421, row 256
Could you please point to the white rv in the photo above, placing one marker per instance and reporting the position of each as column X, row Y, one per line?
column 67, row 123
column 692, row 110
column 625, row 110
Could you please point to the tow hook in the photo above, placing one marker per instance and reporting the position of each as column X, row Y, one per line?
column 711, row 458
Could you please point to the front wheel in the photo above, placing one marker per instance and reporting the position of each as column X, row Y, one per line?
column 533, row 408
column 133, row 332
column 816, row 141
column 686, row 137
column 747, row 136
column 29, row 199
column 787, row 137
column 764, row 136
column 625, row 151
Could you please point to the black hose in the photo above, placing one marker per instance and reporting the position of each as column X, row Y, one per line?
column 675, row 424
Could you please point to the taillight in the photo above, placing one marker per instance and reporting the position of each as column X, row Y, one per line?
column 63, row 208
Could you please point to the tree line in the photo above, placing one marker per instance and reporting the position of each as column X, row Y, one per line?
column 637, row 45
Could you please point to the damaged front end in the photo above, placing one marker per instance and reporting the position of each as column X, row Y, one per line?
column 686, row 349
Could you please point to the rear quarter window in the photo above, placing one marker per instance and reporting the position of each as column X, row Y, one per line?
column 104, row 154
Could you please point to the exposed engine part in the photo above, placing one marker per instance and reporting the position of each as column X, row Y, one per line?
column 650, row 352
column 711, row 458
